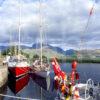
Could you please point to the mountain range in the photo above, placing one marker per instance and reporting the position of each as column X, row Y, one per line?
column 56, row 49
column 37, row 46
column 59, row 50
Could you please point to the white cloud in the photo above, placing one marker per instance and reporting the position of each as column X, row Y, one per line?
column 62, row 20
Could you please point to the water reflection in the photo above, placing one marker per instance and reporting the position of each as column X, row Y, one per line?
column 29, row 86
column 41, row 81
column 37, row 87
column 23, row 87
column 3, row 90
column 16, row 85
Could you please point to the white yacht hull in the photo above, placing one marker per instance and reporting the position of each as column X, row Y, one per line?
column 43, row 74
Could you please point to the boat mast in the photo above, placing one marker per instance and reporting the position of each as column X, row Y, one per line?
column 40, row 30
column 10, row 45
column 19, row 28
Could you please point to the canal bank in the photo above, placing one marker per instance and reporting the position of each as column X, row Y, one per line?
column 3, row 74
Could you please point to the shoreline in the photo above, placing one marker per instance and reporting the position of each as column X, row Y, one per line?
column 78, row 60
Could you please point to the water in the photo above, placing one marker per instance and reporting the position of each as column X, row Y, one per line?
column 86, row 71
column 30, row 85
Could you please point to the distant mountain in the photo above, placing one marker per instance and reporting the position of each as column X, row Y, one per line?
column 70, row 52
column 57, row 49
column 3, row 48
column 6, row 47
column 54, row 48
column 25, row 47
column 37, row 46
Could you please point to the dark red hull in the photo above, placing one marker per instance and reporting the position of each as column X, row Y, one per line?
column 16, row 85
column 19, row 71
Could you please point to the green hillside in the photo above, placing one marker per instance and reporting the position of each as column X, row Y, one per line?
column 85, row 56
column 46, row 52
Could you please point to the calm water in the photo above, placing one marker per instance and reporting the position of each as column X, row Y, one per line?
column 29, row 86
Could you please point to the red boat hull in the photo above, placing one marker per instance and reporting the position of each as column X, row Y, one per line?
column 19, row 71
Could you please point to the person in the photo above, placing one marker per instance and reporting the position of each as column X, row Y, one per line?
column 56, row 66
column 76, row 95
column 74, row 76
column 6, row 60
column 61, row 81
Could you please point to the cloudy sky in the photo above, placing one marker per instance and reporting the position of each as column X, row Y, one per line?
column 63, row 22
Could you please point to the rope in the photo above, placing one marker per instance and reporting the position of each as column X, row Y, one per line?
column 15, row 97
column 88, row 21
column 87, row 24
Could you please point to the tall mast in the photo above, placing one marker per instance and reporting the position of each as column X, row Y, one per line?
column 19, row 27
column 41, row 31
column 10, row 44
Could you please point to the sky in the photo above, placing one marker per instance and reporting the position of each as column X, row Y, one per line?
column 63, row 23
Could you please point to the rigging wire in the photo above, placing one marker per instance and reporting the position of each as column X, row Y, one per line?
column 39, row 40
column 45, row 41
column 88, row 21
column 86, row 29
column 43, row 26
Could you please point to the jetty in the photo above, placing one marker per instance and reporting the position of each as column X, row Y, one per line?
column 3, row 74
